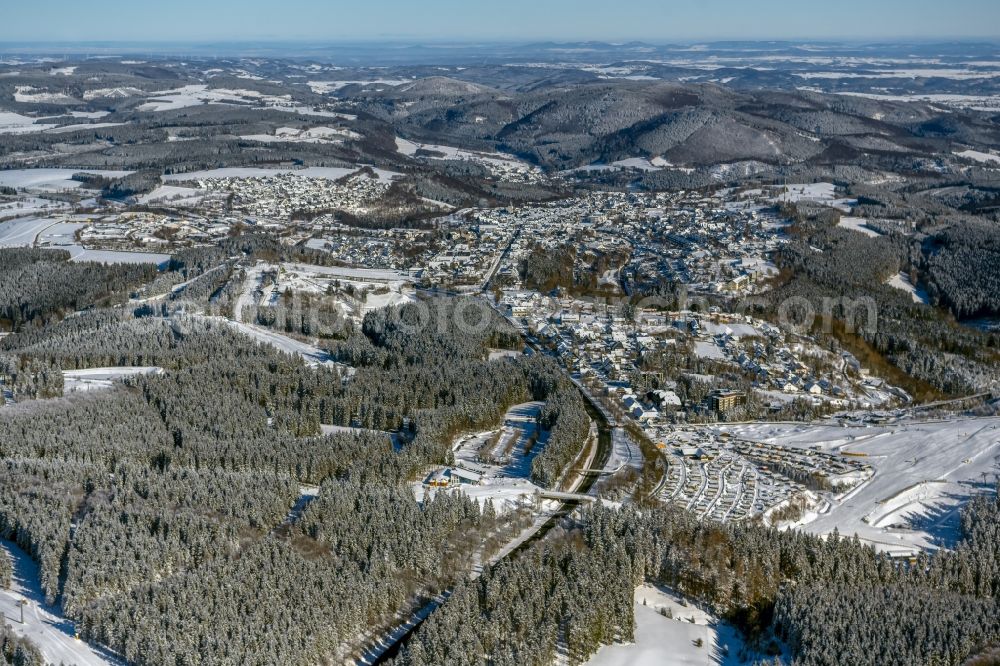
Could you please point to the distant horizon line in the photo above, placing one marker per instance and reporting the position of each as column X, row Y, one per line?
column 620, row 42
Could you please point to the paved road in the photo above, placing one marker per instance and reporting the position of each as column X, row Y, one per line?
column 43, row 625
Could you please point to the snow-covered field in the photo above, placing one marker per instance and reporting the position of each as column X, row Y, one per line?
column 902, row 281
column 50, row 179
column 32, row 95
column 909, row 73
column 91, row 379
column 311, row 135
column 23, row 231
column 15, row 123
column 80, row 126
column 174, row 194
column 948, row 461
column 113, row 93
column 821, row 193
column 665, row 641
column 643, row 163
column 24, row 206
column 972, row 102
column 329, row 173
column 328, row 429
column 43, row 625
column 197, row 94
column 326, row 87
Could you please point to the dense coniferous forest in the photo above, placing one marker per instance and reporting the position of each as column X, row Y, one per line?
column 41, row 285
column 917, row 346
column 199, row 490
column 568, row 423
column 6, row 570
column 830, row 601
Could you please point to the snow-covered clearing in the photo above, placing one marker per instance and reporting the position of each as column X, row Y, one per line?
column 43, row 625
column 310, row 111
column 92, row 115
column 123, row 92
column 80, row 254
column 91, row 379
column 394, row 437
column 24, row 206
column 310, row 354
column 656, row 163
column 326, row 87
column 948, row 461
column 311, row 135
column 984, row 158
column 665, row 641
column 32, row 95
column 15, row 123
column 348, row 273
column 491, row 159
column 821, row 193
column 733, row 329
column 642, row 163
column 380, row 288
column 858, row 224
column 902, row 281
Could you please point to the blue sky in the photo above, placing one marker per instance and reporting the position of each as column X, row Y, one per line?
column 468, row 20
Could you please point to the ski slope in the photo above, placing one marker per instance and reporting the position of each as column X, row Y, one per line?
column 43, row 625
column 925, row 471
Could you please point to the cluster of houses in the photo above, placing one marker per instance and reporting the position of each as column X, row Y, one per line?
column 707, row 476
column 680, row 237
column 369, row 248
column 282, row 195
column 720, row 476
column 153, row 230
column 609, row 347
column 474, row 249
